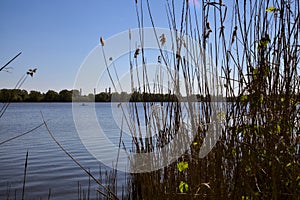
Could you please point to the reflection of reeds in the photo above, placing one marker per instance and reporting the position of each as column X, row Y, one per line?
column 24, row 179
column 20, row 135
column 107, row 191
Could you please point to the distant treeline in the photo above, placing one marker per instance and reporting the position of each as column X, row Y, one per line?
column 18, row 95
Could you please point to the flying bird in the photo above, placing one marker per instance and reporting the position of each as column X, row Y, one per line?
column 31, row 72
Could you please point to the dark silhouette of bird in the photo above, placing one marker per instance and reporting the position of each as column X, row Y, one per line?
column 31, row 72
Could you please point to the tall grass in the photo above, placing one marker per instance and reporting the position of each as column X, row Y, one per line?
column 250, row 57
column 254, row 46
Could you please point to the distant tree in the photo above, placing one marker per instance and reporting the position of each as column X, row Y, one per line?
column 135, row 97
column 35, row 96
column 51, row 96
column 24, row 95
column 65, row 96
column 5, row 95
column 103, row 97
column 15, row 95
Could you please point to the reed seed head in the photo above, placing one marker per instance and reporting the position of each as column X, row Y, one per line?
column 137, row 52
column 102, row 41
column 207, row 25
column 162, row 39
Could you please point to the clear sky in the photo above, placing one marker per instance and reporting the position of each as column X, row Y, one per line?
column 56, row 36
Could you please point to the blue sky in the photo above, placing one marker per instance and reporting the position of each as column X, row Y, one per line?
column 56, row 36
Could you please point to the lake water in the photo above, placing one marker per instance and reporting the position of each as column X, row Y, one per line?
column 48, row 166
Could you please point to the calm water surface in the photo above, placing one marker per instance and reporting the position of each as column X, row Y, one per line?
column 48, row 166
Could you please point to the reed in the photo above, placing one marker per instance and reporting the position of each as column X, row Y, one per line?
column 24, row 179
column 254, row 46
column 18, row 84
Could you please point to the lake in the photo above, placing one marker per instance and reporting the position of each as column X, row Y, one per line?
column 48, row 166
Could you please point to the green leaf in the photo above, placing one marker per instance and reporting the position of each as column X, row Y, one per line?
column 282, row 99
column 263, row 43
column 221, row 115
column 289, row 164
column 195, row 143
column 245, row 198
column 182, row 166
column 271, row 9
column 183, row 187
column 278, row 128
column 244, row 98
column 255, row 71
column 255, row 127
column 261, row 99
column 247, row 168
column 233, row 152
